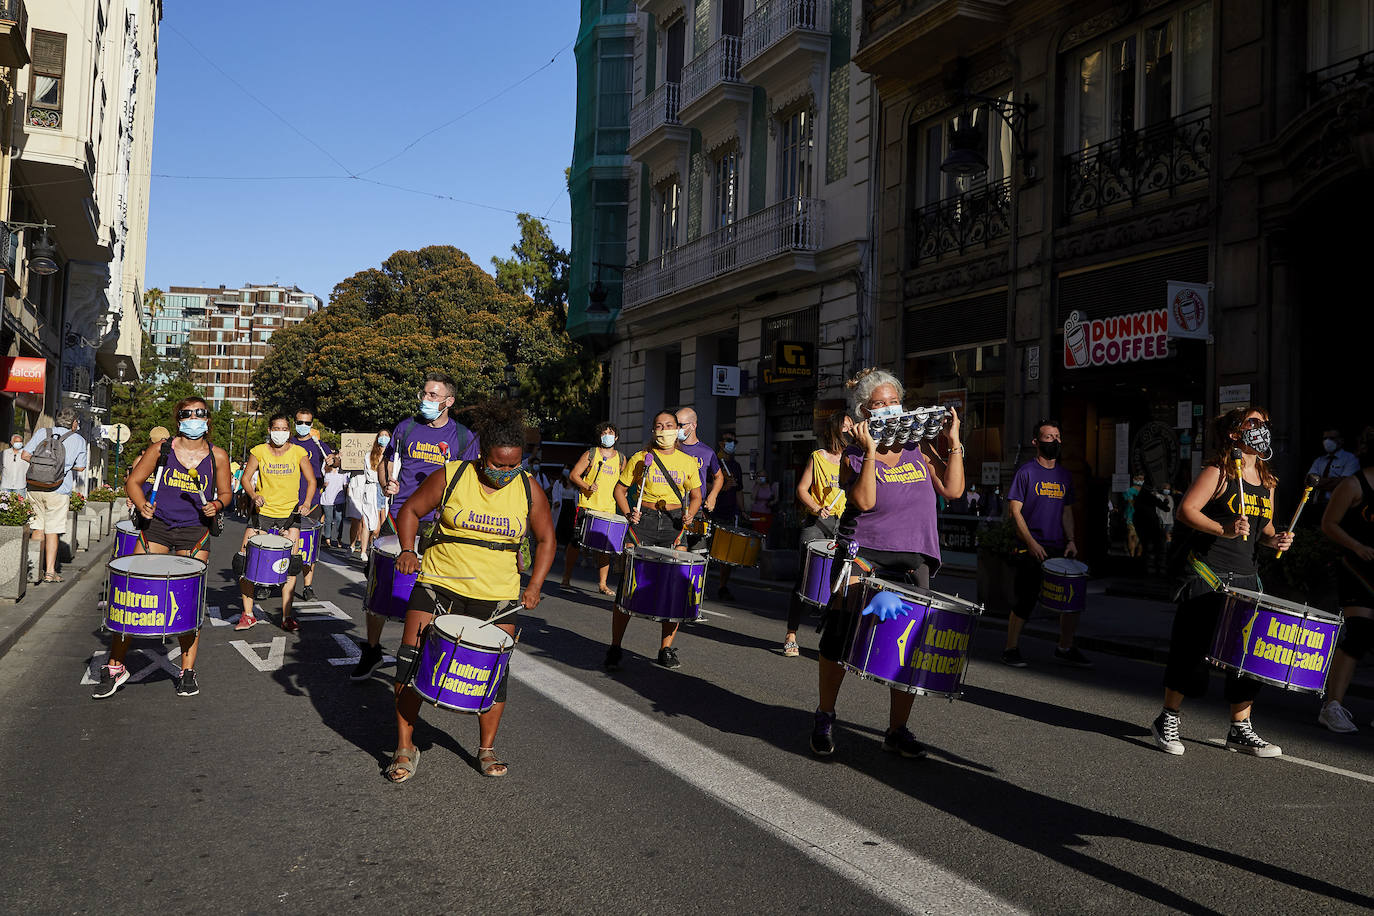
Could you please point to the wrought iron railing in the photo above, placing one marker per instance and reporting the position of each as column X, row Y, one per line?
column 774, row 19
column 657, row 109
column 1337, row 78
column 16, row 12
column 1158, row 159
column 792, row 225
column 977, row 217
column 717, row 64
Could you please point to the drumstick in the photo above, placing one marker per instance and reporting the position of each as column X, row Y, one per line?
column 195, row 477
column 644, row 482
column 1236, row 456
column 1309, row 484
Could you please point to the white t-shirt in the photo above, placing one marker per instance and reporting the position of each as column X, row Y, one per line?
column 15, row 470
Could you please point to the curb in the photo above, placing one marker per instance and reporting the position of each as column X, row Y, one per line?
column 78, row 570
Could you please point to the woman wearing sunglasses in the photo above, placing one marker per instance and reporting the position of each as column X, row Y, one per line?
column 192, row 488
column 1223, row 545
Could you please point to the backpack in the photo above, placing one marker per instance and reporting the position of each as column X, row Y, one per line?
column 48, row 466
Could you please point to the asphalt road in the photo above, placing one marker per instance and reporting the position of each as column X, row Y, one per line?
column 647, row 791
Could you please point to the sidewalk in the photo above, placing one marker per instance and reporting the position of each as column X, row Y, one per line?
column 15, row 619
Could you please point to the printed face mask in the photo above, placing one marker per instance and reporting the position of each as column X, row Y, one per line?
column 607, row 441
column 499, row 477
column 882, row 413
column 429, row 410
column 192, row 429
column 665, row 438
column 1258, row 439
column 279, row 437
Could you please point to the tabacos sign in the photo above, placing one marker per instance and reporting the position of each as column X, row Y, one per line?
column 1119, row 339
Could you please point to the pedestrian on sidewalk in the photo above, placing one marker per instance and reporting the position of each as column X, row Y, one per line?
column 594, row 476
column 193, row 487
column 332, row 501
column 1349, row 522
column 1224, row 539
column 891, row 515
column 822, row 500
column 1333, row 465
column 13, row 467
column 55, row 456
column 1041, row 505
column 471, row 565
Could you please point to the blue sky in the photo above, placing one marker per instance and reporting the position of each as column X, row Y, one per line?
column 362, row 81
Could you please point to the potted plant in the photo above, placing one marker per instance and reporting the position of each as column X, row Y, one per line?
column 15, row 513
column 101, row 502
column 996, row 572
column 77, row 530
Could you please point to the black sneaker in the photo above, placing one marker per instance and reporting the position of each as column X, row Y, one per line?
column 1012, row 658
column 724, row 594
column 1072, row 657
column 308, row 593
column 613, row 656
column 109, row 683
column 1243, row 740
column 1166, row 732
column 902, row 741
column 187, row 685
column 368, row 663
column 822, row 742
column 667, row 658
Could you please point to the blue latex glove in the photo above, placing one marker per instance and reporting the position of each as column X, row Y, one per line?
column 886, row 606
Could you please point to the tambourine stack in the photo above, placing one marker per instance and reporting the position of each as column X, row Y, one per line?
column 910, row 426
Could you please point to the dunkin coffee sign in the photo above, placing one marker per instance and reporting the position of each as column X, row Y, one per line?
column 1119, row 339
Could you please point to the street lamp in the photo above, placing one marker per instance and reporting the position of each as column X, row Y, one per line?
column 42, row 253
column 968, row 142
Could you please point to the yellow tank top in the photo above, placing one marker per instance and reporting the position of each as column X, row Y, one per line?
column 470, row 512
column 603, row 473
column 825, row 482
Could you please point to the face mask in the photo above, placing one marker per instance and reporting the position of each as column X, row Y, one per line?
column 535, row 467
column 499, row 477
column 607, row 441
column 192, row 429
column 665, row 438
column 16, row 445
column 682, row 435
column 729, row 448
column 1049, row 450
column 383, row 441
column 1137, row 483
column 882, row 413
column 429, row 410
column 1258, row 439
column 279, row 437
column 1330, row 445
column 302, row 429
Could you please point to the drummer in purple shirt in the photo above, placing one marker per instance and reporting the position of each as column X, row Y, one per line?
column 424, row 442
column 322, row 456
column 1041, row 506
column 891, row 515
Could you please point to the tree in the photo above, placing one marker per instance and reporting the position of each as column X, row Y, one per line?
column 538, row 268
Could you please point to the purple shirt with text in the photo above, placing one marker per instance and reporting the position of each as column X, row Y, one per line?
column 425, row 449
column 1043, row 494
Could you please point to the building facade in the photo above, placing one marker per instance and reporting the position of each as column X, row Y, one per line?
column 748, row 293
column 84, row 104
column 233, row 336
column 1216, row 142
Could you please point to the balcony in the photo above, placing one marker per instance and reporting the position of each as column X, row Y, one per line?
column 790, row 232
column 1158, row 161
column 785, row 41
column 957, row 225
column 907, row 39
column 14, row 29
column 715, row 99
column 1329, row 82
column 657, row 136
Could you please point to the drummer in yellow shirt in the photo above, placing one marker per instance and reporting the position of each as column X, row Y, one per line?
column 272, row 480
column 594, row 476
column 656, row 515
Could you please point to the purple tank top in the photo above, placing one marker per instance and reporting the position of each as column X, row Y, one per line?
column 904, row 519
column 178, row 497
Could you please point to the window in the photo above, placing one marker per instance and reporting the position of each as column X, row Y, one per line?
column 617, row 7
column 1143, row 78
column 725, row 189
column 1338, row 30
column 676, row 45
column 611, row 205
column 796, row 149
column 932, row 146
column 667, row 202
column 615, row 66
column 49, row 61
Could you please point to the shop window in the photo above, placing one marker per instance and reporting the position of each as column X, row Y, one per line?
column 932, row 146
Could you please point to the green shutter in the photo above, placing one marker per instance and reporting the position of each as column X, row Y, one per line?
column 696, row 167
column 758, row 151
column 701, row 27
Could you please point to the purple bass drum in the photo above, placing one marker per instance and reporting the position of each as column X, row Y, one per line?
column 126, row 538
column 924, row 651
column 308, row 541
column 814, row 585
column 1275, row 641
column 462, row 662
column 155, row 595
column 662, row 584
column 388, row 592
column 602, row 532
column 269, row 560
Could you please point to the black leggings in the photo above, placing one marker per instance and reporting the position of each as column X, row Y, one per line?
column 898, row 568
column 1188, row 668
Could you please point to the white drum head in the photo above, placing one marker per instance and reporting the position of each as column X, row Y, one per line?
column 388, row 544
column 473, row 632
column 271, row 542
column 1260, row 599
column 1065, row 566
column 611, row 516
column 127, row 526
column 821, row 547
column 669, row 555
column 157, row 565
column 922, row 596
column 308, row 524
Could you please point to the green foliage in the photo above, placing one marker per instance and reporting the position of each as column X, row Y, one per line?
column 78, row 502
column 998, row 539
column 15, row 509
column 104, row 494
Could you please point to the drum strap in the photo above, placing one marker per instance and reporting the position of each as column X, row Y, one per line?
column 438, row 537
column 1205, row 572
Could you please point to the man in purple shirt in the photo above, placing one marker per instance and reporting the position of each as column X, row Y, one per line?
column 321, row 457
column 1041, row 504
column 712, row 479
column 425, row 443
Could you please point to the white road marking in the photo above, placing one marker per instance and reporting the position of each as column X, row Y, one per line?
column 276, row 653
column 1325, row 767
column 320, row 609
column 157, row 662
column 351, row 652
column 878, row 865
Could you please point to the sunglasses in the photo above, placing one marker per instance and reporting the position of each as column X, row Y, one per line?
column 1254, row 423
column 199, row 412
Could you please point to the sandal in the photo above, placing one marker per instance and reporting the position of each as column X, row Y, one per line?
column 790, row 649
column 605, row 590
column 52, row 578
column 491, row 765
column 399, row 771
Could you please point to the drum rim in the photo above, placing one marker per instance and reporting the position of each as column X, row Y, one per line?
column 828, row 552
column 260, row 541
column 131, row 529
column 159, row 556
column 1076, row 574
column 441, row 624
column 960, row 605
column 1272, row 682
column 309, row 524
column 629, row 613
column 490, row 695
column 1282, row 605
column 609, row 516
column 674, row 556
column 735, row 529
column 908, row 688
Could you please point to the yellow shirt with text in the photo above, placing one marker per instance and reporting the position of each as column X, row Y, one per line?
column 679, row 465
column 602, row 472
column 501, row 517
column 279, row 479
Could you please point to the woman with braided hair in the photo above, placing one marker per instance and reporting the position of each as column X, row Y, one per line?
column 485, row 508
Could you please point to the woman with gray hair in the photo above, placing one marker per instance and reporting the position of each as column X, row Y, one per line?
column 891, row 516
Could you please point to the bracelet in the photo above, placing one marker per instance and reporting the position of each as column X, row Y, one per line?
column 957, row 448
column 410, row 550
column 870, row 457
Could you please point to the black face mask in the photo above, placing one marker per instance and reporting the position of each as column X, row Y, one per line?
column 1048, row 450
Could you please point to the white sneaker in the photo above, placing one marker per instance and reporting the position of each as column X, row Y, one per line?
column 1241, row 739
column 1165, row 729
column 1337, row 718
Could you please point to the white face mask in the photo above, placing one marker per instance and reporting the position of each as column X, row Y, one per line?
column 279, row 437
column 682, row 434
column 880, row 413
column 16, row 445
column 1330, row 445
column 607, row 441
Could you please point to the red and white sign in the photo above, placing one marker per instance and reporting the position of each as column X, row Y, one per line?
column 24, row 374
column 1190, row 307
column 1112, row 341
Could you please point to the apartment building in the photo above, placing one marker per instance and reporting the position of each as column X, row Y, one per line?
column 230, row 333
column 80, row 150
column 748, row 198
column 1049, row 168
